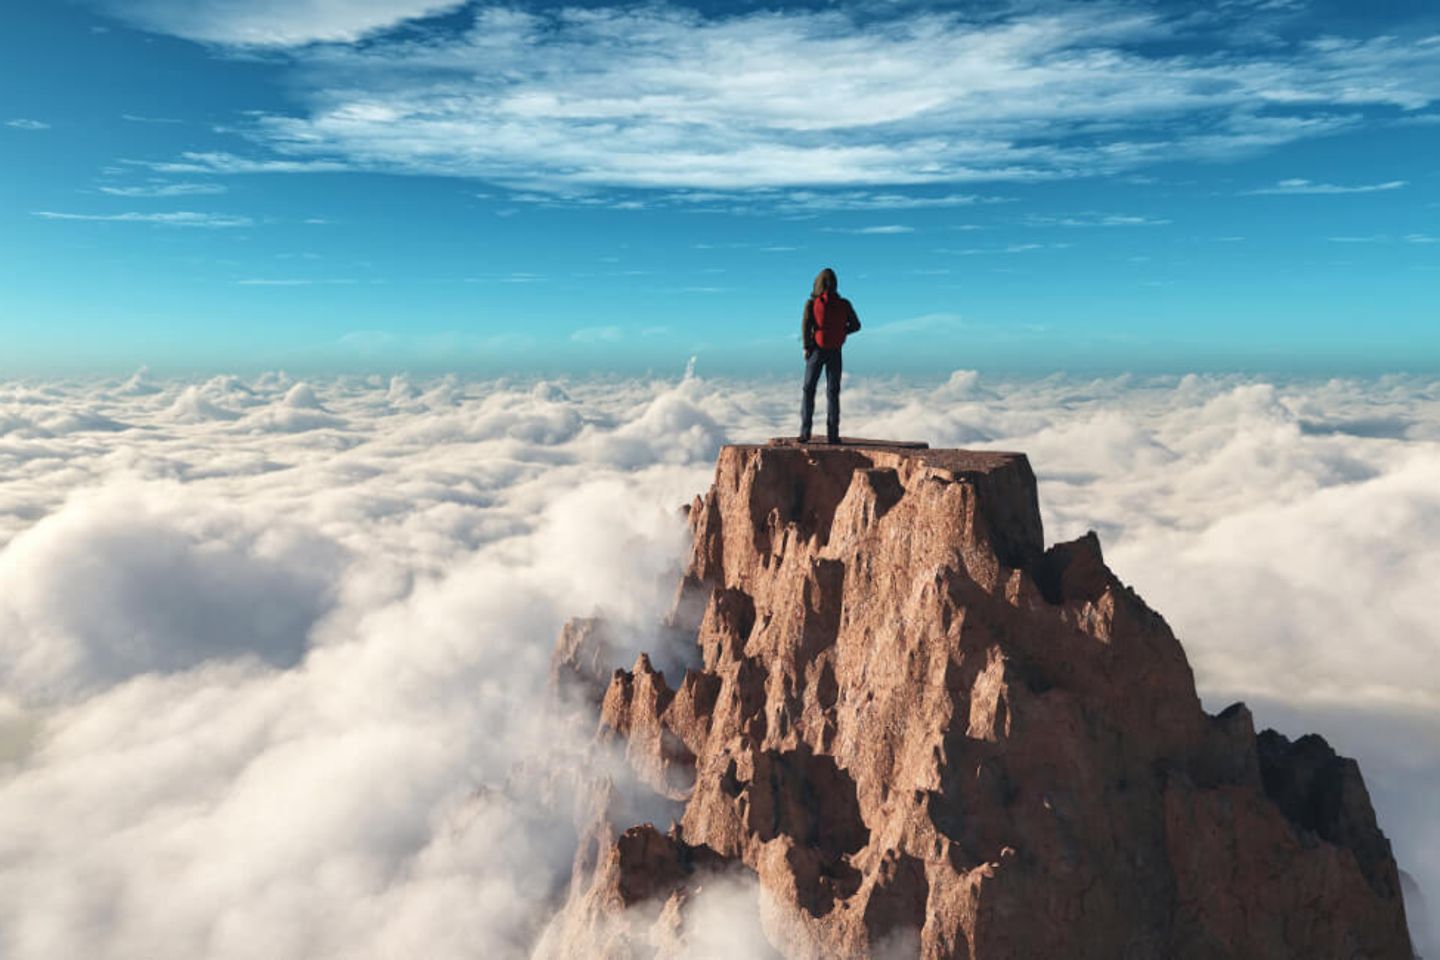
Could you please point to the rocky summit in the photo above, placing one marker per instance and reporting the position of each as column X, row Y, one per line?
column 923, row 733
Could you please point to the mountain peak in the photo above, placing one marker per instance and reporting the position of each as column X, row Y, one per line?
column 924, row 732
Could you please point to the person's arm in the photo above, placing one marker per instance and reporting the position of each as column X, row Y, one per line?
column 853, row 323
column 807, row 327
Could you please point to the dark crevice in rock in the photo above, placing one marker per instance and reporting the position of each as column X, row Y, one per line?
column 897, row 902
column 827, row 689
column 750, row 681
column 820, row 881
column 807, row 797
column 887, row 488
column 973, row 786
column 824, row 607
column 732, row 612
column 652, row 864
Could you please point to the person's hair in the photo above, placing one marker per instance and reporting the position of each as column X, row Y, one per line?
column 825, row 282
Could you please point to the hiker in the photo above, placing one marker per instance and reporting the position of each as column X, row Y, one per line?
column 828, row 320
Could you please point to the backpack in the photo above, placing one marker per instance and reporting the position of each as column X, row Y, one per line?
column 832, row 315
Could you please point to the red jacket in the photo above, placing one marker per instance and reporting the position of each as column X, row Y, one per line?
column 828, row 319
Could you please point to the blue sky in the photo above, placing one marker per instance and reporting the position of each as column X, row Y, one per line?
column 430, row 185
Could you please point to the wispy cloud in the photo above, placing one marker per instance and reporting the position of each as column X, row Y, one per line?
column 879, row 230
column 1420, row 238
column 181, row 218
column 1098, row 220
column 762, row 200
column 930, row 324
column 563, row 103
column 167, row 190
column 21, row 123
column 1007, row 248
column 1298, row 186
column 228, row 163
column 274, row 23
column 745, row 245
column 137, row 118
column 605, row 334
column 842, row 200
column 517, row 276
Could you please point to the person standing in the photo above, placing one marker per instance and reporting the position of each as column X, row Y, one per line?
column 828, row 320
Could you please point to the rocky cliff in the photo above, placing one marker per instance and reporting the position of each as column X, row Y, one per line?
column 925, row 734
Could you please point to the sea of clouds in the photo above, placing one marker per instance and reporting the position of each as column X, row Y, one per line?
column 273, row 653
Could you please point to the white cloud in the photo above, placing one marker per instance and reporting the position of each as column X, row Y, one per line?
column 139, row 384
column 1098, row 220
column 167, row 190
column 274, row 650
column 1418, row 238
column 21, row 123
column 195, row 405
column 182, row 218
column 298, row 411
column 808, row 200
column 576, row 102
column 883, row 229
column 1297, row 186
column 44, row 421
column 220, row 162
column 274, row 23
column 285, row 693
column 605, row 334
column 926, row 325
column 168, row 584
column 1008, row 248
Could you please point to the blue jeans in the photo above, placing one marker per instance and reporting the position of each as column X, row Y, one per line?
column 829, row 360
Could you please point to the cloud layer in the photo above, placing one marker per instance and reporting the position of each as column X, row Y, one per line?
column 664, row 97
column 274, row 650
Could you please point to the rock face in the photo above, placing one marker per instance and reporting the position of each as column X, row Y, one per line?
column 927, row 735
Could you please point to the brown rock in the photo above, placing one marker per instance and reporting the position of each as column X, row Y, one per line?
column 927, row 735
column 636, row 708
